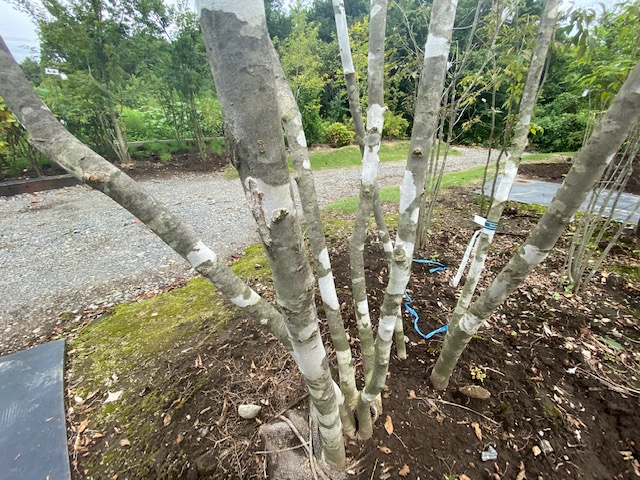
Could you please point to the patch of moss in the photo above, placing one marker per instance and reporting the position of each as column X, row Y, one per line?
column 629, row 272
column 253, row 264
column 142, row 349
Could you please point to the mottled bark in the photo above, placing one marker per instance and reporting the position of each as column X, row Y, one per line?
column 353, row 91
column 370, row 161
column 518, row 144
column 56, row 143
column 425, row 124
column 239, row 52
column 598, row 151
column 297, row 143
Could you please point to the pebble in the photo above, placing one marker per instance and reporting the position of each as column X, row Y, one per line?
column 475, row 391
column 249, row 410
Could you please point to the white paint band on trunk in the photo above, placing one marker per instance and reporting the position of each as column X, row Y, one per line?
column 362, row 307
column 469, row 324
column 243, row 302
column 505, row 181
column 407, row 191
column 436, row 47
column 386, row 327
column 323, row 258
column 247, row 12
column 343, row 40
column 397, row 282
column 328, row 291
column 387, row 246
column 370, row 161
column 273, row 197
column 533, row 255
column 310, row 357
column 200, row 254
column 375, row 117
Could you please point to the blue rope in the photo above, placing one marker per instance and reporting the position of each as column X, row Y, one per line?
column 437, row 268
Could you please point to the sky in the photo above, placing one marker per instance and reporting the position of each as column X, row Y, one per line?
column 19, row 32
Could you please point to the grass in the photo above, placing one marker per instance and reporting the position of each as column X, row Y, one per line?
column 392, row 194
column 537, row 157
column 349, row 157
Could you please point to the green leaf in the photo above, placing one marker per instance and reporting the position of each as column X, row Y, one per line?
column 611, row 343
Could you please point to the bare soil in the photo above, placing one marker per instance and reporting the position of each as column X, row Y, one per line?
column 556, row 171
column 144, row 169
column 562, row 370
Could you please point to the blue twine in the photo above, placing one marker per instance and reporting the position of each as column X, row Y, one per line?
column 438, row 267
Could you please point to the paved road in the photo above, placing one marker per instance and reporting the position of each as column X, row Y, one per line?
column 63, row 250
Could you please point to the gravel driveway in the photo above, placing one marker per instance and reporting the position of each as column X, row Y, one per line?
column 68, row 249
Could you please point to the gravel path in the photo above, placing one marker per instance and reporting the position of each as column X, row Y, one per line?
column 68, row 249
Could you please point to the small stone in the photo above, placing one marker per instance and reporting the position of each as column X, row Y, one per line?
column 249, row 411
column 475, row 391
column 536, row 450
column 489, row 454
column 546, row 447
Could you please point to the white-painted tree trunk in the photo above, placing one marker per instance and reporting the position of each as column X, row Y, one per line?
column 241, row 60
column 425, row 124
column 48, row 135
column 297, row 143
column 598, row 151
column 519, row 143
column 353, row 90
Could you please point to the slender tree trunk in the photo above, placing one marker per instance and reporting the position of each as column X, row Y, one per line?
column 519, row 143
column 239, row 51
column 425, row 124
column 353, row 91
column 56, row 143
column 296, row 140
column 599, row 150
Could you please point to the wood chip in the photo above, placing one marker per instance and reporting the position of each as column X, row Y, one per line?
column 477, row 430
column 475, row 391
column 384, row 449
column 388, row 425
column 404, row 471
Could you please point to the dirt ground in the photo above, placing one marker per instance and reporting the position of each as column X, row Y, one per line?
column 562, row 370
column 150, row 168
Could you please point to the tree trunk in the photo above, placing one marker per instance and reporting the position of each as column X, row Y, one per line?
column 122, row 149
column 425, row 124
column 296, row 140
column 603, row 144
column 353, row 91
column 239, row 51
column 518, row 144
column 56, row 143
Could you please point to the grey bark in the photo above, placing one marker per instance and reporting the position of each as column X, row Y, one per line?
column 297, row 143
column 56, row 143
column 518, row 144
column 599, row 150
column 353, row 90
column 425, row 124
column 239, row 52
